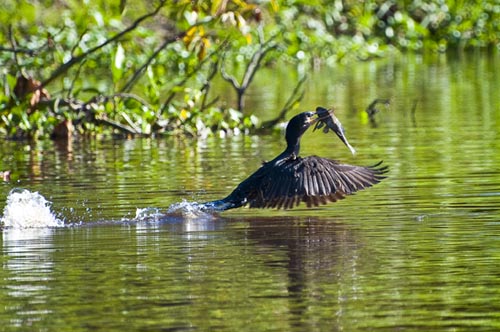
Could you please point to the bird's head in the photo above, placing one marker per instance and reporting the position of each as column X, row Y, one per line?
column 298, row 125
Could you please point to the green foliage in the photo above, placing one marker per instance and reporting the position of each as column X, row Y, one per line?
column 141, row 68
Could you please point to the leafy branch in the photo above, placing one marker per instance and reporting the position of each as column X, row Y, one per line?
column 76, row 59
column 195, row 70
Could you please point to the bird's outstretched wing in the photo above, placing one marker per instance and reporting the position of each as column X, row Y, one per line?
column 312, row 180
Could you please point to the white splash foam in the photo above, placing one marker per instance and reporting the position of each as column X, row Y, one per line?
column 26, row 209
column 191, row 210
column 178, row 211
column 148, row 214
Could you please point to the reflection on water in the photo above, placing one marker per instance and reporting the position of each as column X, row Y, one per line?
column 26, row 277
column 312, row 251
column 417, row 252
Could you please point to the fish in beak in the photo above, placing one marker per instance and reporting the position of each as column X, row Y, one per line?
column 328, row 119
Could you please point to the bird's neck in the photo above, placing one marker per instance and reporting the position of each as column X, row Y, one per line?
column 292, row 149
column 295, row 149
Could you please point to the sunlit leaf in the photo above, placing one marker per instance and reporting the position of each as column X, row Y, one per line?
column 117, row 68
column 205, row 45
column 275, row 5
column 119, row 56
column 191, row 17
column 216, row 6
column 184, row 114
column 189, row 36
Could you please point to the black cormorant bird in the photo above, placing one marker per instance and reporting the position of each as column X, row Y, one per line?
column 289, row 179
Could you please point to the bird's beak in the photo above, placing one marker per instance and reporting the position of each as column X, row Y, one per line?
column 328, row 118
column 311, row 120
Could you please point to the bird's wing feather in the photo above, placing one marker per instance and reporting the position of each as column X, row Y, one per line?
column 312, row 180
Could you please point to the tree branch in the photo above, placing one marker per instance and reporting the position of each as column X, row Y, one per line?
column 76, row 59
column 89, row 107
column 206, row 87
column 254, row 64
column 138, row 73
column 117, row 125
column 250, row 71
column 189, row 75
column 293, row 100
column 16, row 50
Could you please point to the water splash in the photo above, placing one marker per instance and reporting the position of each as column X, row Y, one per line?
column 148, row 214
column 26, row 209
column 177, row 212
column 190, row 210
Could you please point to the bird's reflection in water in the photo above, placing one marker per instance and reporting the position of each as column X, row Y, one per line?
column 308, row 252
column 317, row 251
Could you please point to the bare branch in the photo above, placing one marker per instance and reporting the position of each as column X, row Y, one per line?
column 117, row 125
column 140, row 100
column 14, row 46
column 16, row 50
column 231, row 79
column 210, row 103
column 293, row 100
column 250, row 71
column 70, row 90
column 206, row 87
column 80, row 37
column 167, row 42
column 254, row 64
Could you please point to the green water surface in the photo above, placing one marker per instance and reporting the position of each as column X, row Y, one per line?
column 418, row 252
